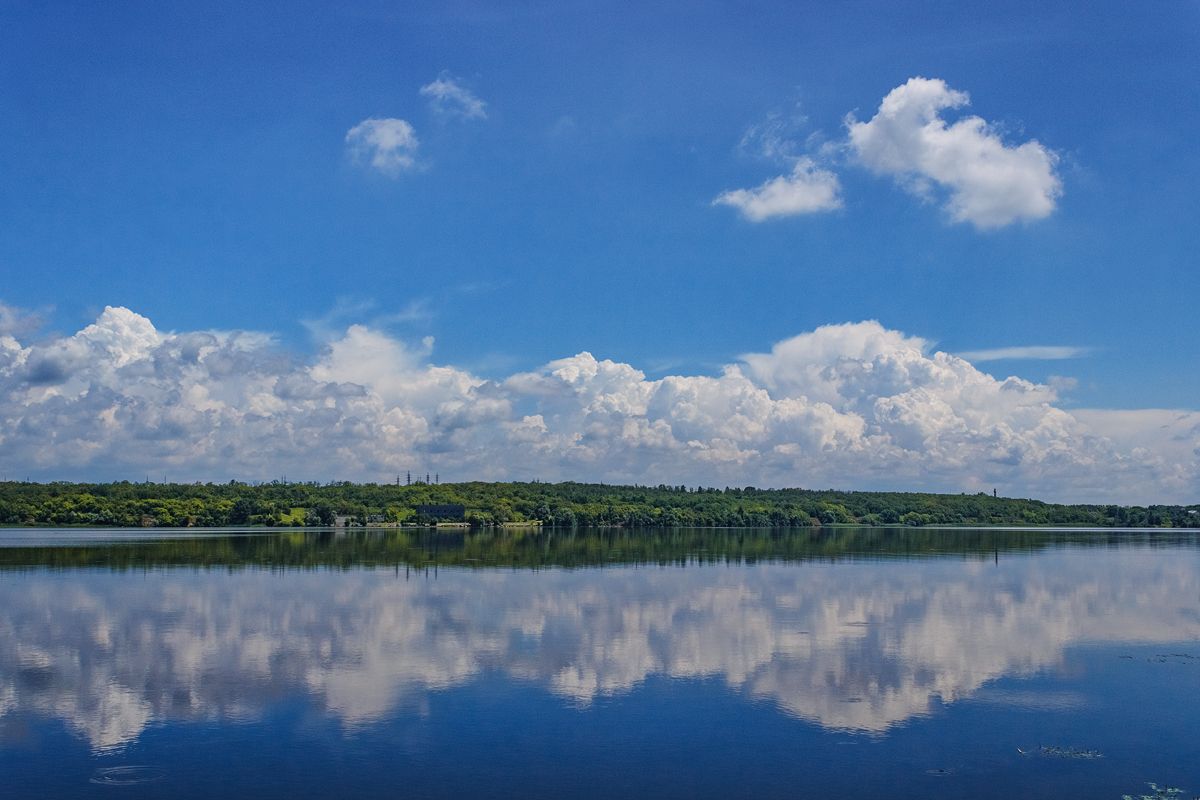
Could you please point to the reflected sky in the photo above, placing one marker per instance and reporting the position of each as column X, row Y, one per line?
column 859, row 646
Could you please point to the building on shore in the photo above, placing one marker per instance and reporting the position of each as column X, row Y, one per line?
column 444, row 512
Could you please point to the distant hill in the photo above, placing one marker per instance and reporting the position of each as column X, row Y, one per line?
column 549, row 504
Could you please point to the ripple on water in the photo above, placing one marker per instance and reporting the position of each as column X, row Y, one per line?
column 127, row 775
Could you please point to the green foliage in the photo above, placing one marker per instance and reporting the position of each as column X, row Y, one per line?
column 561, row 505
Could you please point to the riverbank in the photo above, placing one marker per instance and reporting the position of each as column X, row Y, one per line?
column 560, row 505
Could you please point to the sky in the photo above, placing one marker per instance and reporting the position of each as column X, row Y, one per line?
column 945, row 246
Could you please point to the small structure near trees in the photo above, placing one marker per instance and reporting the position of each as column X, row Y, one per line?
column 444, row 512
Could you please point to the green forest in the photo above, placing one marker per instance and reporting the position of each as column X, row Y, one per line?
column 559, row 505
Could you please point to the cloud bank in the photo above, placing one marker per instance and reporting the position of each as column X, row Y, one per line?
column 853, row 405
column 989, row 183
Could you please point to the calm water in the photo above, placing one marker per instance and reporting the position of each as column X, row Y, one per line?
column 851, row 663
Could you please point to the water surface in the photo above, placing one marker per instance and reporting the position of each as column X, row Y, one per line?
column 845, row 663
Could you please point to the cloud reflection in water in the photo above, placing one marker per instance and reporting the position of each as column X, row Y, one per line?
column 853, row 646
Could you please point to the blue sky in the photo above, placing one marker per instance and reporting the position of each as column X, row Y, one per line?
column 193, row 165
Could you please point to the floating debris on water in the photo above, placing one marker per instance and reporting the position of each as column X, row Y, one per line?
column 1173, row 658
column 1160, row 793
column 1052, row 751
column 127, row 775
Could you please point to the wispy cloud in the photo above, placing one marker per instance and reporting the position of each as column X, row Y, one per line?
column 477, row 287
column 15, row 321
column 806, row 188
column 349, row 310
column 776, row 138
column 563, row 127
column 447, row 96
column 1027, row 353
column 1062, row 384
column 389, row 146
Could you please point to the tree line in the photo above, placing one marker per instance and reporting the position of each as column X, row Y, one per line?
column 560, row 505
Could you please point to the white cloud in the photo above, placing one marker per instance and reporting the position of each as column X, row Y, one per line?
column 349, row 310
column 808, row 189
column 854, row 405
column 1027, row 353
column 989, row 184
column 15, row 321
column 1062, row 384
column 448, row 96
column 205, row 645
column 1166, row 441
column 386, row 145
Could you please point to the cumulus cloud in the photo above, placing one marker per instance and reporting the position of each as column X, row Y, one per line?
column 386, row 145
column 1027, row 353
column 808, row 189
column 848, row 648
column 448, row 96
column 854, row 405
column 987, row 182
